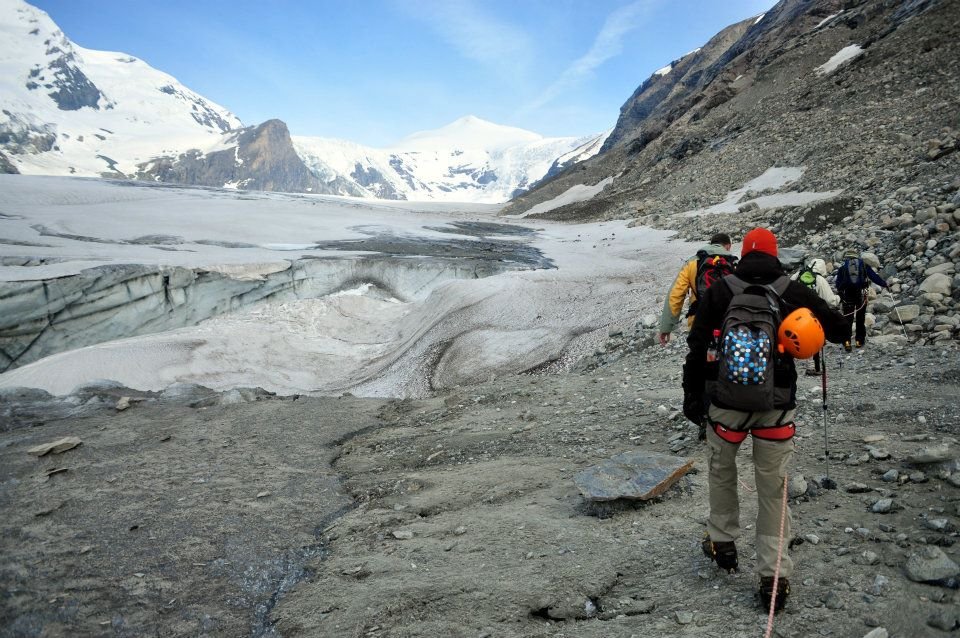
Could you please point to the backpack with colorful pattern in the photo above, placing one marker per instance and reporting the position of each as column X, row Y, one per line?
column 748, row 345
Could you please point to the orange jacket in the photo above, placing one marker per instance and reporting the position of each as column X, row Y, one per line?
column 686, row 282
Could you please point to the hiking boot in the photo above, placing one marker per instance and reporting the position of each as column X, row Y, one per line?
column 724, row 553
column 766, row 593
column 846, row 346
column 812, row 373
column 859, row 343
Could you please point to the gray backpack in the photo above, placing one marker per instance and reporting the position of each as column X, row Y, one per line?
column 748, row 345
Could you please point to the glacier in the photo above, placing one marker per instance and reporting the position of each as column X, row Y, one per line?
column 153, row 285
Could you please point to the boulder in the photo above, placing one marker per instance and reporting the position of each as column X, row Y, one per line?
column 930, row 564
column 934, row 454
column 871, row 260
column 904, row 314
column 937, row 282
column 631, row 475
column 946, row 268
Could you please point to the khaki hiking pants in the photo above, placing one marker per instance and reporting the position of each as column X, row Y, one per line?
column 770, row 460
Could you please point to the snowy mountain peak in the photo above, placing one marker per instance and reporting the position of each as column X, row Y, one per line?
column 75, row 111
column 471, row 132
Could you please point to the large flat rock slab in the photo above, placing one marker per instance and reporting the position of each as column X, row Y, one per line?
column 632, row 475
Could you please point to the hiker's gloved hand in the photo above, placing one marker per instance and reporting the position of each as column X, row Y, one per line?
column 693, row 408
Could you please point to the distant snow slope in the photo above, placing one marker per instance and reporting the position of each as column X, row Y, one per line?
column 467, row 160
column 67, row 110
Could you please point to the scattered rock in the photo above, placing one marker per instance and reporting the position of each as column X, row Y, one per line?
column 930, row 565
column 857, row 488
column 56, row 447
column 883, row 506
column 797, row 486
column 832, row 600
column 935, row 454
column 945, row 620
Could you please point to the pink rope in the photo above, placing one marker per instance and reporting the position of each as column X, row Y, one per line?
column 776, row 570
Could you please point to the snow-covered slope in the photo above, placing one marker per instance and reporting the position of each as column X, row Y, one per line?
column 66, row 110
column 467, row 160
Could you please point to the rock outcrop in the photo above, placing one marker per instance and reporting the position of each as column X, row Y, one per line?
column 262, row 159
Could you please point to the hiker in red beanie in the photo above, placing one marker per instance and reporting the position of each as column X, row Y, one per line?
column 754, row 393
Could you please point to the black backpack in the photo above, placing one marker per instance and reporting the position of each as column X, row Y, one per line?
column 748, row 345
column 710, row 269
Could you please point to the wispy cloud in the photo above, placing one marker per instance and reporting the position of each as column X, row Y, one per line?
column 608, row 44
column 475, row 34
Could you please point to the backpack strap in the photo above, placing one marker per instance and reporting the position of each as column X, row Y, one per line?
column 778, row 286
column 735, row 284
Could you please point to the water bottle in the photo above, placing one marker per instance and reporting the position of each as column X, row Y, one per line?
column 712, row 354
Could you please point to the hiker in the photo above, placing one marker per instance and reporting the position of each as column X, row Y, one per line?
column 853, row 280
column 813, row 275
column 762, row 402
column 711, row 262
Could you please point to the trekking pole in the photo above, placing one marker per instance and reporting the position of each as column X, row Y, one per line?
column 827, row 483
column 897, row 310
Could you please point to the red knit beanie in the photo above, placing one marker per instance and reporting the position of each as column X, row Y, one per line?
column 759, row 239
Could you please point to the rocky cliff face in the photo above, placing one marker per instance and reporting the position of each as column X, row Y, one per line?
column 674, row 89
column 6, row 166
column 832, row 123
column 262, row 159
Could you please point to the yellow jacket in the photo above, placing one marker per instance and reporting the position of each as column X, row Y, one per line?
column 684, row 284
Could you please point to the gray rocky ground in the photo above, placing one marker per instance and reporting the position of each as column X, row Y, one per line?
column 195, row 513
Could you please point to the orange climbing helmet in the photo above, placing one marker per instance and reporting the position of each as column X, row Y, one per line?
column 800, row 334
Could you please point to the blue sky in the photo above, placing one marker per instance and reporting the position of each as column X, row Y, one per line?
column 375, row 71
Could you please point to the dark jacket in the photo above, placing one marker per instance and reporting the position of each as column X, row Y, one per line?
column 756, row 268
column 854, row 293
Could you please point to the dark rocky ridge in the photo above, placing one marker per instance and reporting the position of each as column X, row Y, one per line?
column 200, row 111
column 264, row 159
column 69, row 86
column 661, row 98
column 6, row 166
